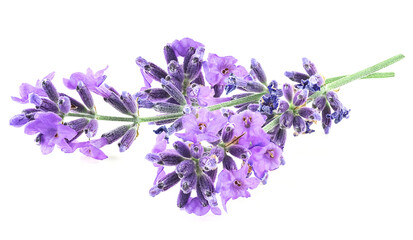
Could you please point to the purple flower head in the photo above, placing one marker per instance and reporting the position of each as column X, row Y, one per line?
column 202, row 126
column 93, row 81
column 89, row 148
column 217, row 69
column 181, row 46
column 25, row 89
column 312, row 81
column 235, row 184
column 51, row 131
column 264, row 159
column 204, row 96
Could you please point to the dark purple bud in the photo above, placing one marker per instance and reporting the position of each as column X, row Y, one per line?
column 85, row 95
column 286, row 119
column 145, row 104
column 35, row 99
column 169, row 54
column 165, row 107
column 258, row 72
column 296, row 76
column 156, row 94
column 50, row 90
column 168, row 181
column 153, row 157
column 75, row 105
column 300, row 97
column 283, row 106
column 208, row 163
column 326, row 121
column 199, row 80
column 176, row 71
column 173, row 92
column 116, row 133
column 253, row 107
column 206, row 187
column 170, row 159
column 332, row 98
column 182, row 149
column 309, row 113
column 19, row 120
column 316, row 79
column 229, row 163
column 288, row 92
column 176, row 126
column 228, row 132
column 43, row 104
column 319, row 103
column 129, row 102
column 115, row 101
column 91, row 128
column 195, row 64
column 309, row 67
column 163, row 122
column 127, row 139
column 298, row 124
column 254, row 87
column 64, row 104
column 30, row 113
column 187, row 58
column 188, row 182
column 78, row 124
column 218, row 90
column 200, row 195
column 280, row 136
column 197, row 150
column 185, row 168
column 183, row 199
column 151, row 69
column 240, row 151
column 212, row 174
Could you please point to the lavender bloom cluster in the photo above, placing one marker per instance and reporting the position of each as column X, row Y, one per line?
column 207, row 149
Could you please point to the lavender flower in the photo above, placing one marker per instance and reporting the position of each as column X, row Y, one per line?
column 312, row 81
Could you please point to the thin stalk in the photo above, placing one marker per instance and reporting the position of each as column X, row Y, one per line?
column 373, row 75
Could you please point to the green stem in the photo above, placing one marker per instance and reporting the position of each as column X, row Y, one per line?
column 102, row 117
column 251, row 98
column 272, row 124
column 373, row 75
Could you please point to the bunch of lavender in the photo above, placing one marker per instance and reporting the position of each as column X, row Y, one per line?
column 222, row 127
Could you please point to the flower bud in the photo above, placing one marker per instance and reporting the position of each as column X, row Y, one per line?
column 253, row 86
column 296, row 76
column 229, row 163
column 195, row 64
column 85, row 95
column 19, row 120
column 288, row 92
column 169, row 54
column 182, row 149
column 185, row 168
column 116, row 133
column 200, row 195
column 169, row 158
column 183, row 199
column 165, row 107
column 253, row 107
column 127, row 139
column 151, row 69
column 316, row 79
column 50, row 90
column 145, row 104
column 91, row 128
column 129, row 102
column 240, row 151
column 300, row 97
column 286, row 119
column 332, row 98
column 212, row 174
column 298, row 124
column 188, row 183
column 319, row 103
column 153, row 157
column 156, row 94
column 257, row 71
column 309, row 67
column 115, row 101
column 218, row 90
column 173, row 92
column 64, row 104
column 168, row 181
column 228, row 132
column 208, row 163
column 283, row 106
column 78, row 124
column 176, row 71
column 187, row 58
column 75, row 105
column 280, row 136
column 30, row 113
column 43, row 104
column 197, row 150
column 206, row 187
column 309, row 113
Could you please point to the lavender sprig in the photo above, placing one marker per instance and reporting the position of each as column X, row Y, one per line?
column 228, row 128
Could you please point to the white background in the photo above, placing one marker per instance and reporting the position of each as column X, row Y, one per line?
column 355, row 183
